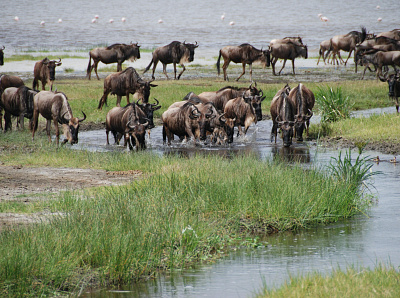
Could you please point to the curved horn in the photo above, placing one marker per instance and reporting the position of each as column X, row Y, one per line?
column 63, row 119
column 155, row 104
column 84, row 117
column 220, row 118
column 59, row 59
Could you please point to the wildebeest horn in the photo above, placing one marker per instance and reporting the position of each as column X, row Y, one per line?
column 220, row 118
column 84, row 117
column 196, row 45
column 63, row 119
column 155, row 104
column 59, row 59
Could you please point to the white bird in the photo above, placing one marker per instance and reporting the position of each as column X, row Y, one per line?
column 379, row 19
column 160, row 21
column 320, row 15
column 96, row 16
column 111, row 21
column 123, row 20
column 378, row 7
column 16, row 18
column 42, row 23
column 324, row 19
column 94, row 21
column 223, row 16
column 60, row 20
column 232, row 23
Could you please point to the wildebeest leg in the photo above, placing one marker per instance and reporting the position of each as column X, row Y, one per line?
column 7, row 121
column 183, row 69
column 165, row 70
column 243, row 72
column 103, row 99
column 274, row 131
column 349, row 57
column 119, row 66
column 273, row 62
column 293, row 66
column 48, row 128
column 224, row 68
column 284, row 63
column 397, row 104
column 21, row 121
column 95, row 63
column 155, row 62
column 43, row 85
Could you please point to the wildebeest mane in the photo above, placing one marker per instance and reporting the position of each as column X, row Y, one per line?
column 233, row 88
column 27, row 95
column 115, row 45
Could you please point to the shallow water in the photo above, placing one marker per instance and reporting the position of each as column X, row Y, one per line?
column 362, row 241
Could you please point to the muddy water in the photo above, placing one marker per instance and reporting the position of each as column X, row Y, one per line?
column 362, row 241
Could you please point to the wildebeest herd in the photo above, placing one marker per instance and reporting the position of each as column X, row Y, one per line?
column 210, row 115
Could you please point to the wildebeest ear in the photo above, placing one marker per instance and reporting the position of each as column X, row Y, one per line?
column 156, row 108
column 58, row 64
column 262, row 98
column 153, row 85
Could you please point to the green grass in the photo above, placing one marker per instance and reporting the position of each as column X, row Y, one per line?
column 383, row 281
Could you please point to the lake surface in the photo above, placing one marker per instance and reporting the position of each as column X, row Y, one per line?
column 256, row 22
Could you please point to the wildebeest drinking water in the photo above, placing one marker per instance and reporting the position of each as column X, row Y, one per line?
column 176, row 53
column 45, row 71
column 245, row 54
column 116, row 53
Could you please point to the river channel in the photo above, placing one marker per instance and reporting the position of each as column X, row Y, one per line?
column 366, row 240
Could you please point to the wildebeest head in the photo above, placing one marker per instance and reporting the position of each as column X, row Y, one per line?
column 131, row 51
column 300, row 124
column 71, row 128
column 137, row 133
column 2, row 56
column 206, row 115
column 143, row 92
column 229, row 126
column 148, row 109
column 51, row 65
column 266, row 56
column 303, row 51
column 256, row 103
column 190, row 50
column 285, row 121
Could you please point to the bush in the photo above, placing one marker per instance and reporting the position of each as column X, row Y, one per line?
column 333, row 104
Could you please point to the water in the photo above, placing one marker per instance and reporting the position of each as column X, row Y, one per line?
column 365, row 240
column 256, row 22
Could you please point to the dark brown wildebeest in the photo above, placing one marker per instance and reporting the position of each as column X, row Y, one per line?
column 55, row 106
column 2, row 55
column 346, row 42
column 242, row 111
column 393, row 81
column 130, row 122
column 303, row 101
column 380, row 59
column 245, row 54
column 148, row 109
column 45, row 71
column 7, row 81
column 287, row 50
column 179, row 121
column 17, row 102
column 324, row 46
column 116, row 53
column 176, row 53
column 282, row 114
column 124, row 83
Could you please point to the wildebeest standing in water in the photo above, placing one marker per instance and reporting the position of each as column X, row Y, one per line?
column 176, row 52
column 124, row 83
column 393, row 81
column 55, row 106
column 303, row 101
column 2, row 55
column 45, row 71
column 245, row 54
column 17, row 102
column 116, row 53
column 282, row 114
column 287, row 50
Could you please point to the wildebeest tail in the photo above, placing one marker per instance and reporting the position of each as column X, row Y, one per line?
column 89, row 65
column 219, row 58
column 164, row 134
column 148, row 66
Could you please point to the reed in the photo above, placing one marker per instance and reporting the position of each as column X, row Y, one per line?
column 182, row 212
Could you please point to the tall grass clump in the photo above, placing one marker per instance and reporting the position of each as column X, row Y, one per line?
column 333, row 105
column 181, row 213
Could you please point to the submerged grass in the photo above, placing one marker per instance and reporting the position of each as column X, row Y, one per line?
column 182, row 212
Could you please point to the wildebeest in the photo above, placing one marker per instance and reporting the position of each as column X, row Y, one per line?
column 282, row 113
column 242, row 111
column 324, row 46
column 393, row 81
column 287, row 50
column 148, row 109
column 45, row 71
column 179, row 121
column 17, row 102
column 380, row 59
column 55, row 106
column 223, row 95
column 2, row 55
column 130, row 122
column 346, row 42
column 9, row 81
column 124, row 83
column 303, row 101
column 245, row 54
column 176, row 53
column 116, row 53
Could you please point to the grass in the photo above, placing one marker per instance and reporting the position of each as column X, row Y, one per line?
column 180, row 214
column 383, row 281
column 332, row 104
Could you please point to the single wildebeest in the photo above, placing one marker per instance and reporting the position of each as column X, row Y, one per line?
column 17, row 102
column 287, row 50
column 346, row 42
column 130, row 122
column 124, row 83
column 393, row 81
column 282, row 114
column 245, row 54
column 179, row 121
column 223, row 95
column 380, row 59
column 45, row 71
column 242, row 111
column 55, row 106
column 116, row 53
column 324, row 46
column 2, row 55
column 176, row 52
column 303, row 101
column 7, row 81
